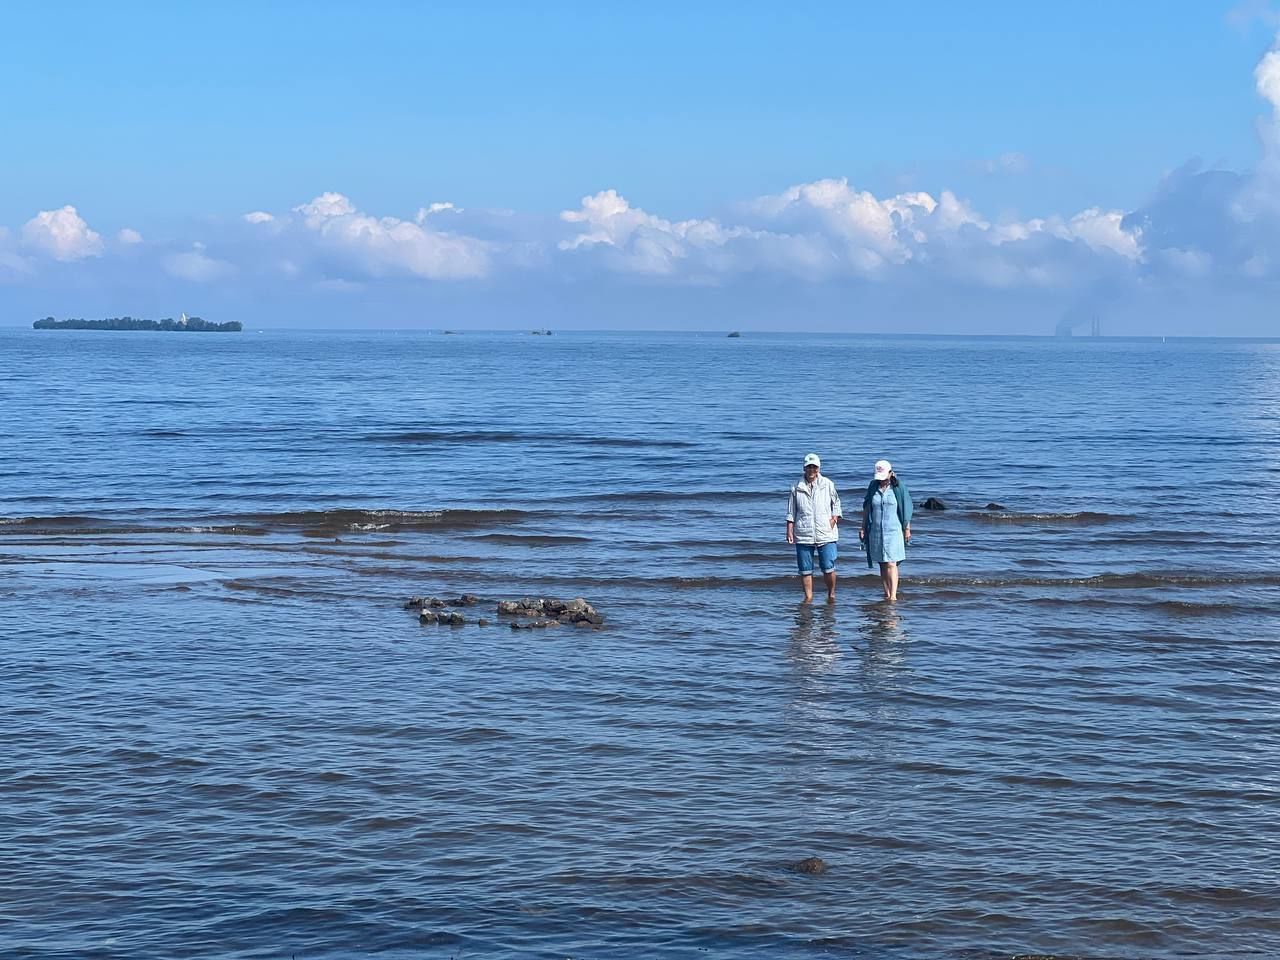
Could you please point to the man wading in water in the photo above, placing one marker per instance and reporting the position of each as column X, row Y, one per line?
column 813, row 514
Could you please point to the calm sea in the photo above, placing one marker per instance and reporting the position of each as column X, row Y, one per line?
column 224, row 737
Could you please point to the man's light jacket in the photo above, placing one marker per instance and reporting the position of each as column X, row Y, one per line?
column 811, row 511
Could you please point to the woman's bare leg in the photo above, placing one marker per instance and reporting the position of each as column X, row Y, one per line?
column 889, row 578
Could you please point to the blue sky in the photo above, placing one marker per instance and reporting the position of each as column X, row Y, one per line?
column 944, row 167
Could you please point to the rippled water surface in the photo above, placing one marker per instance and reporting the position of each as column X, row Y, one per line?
column 224, row 737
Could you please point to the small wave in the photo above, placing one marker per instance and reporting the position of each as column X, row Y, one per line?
column 507, row 436
column 75, row 526
column 338, row 521
column 446, row 436
column 1081, row 517
column 1110, row 580
column 532, row 540
column 676, row 496
column 310, row 522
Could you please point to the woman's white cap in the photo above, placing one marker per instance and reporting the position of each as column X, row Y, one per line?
column 883, row 469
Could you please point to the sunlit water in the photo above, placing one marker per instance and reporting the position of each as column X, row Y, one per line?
column 224, row 737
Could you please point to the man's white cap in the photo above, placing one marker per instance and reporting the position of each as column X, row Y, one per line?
column 883, row 469
column 811, row 460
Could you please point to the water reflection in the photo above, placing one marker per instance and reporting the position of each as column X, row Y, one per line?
column 884, row 651
column 814, row 646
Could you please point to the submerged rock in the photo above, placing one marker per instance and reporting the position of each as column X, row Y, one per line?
column 933, row 503
column 528, row 612
column 810, row 865
column 995, row 506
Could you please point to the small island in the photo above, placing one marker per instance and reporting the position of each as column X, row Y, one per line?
column 184, row 323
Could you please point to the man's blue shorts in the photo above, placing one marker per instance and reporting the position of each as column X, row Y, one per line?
column 825, row 554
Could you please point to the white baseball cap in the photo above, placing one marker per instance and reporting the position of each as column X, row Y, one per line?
column 811, row 460
column 883, row 469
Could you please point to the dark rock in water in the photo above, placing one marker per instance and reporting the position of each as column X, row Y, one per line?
column 933, row 503
column 527, row 612
column 734, row 335
column 995, row 506
column 811, row 865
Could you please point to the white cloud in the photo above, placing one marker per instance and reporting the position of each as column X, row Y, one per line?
column 62, row 234
column 197, row 266
column 324, row 207
column 258, row 216
column 829, row 229
column 640, row 242
column 381, row 246
column 129, row 237
column 433, row 209
column 1104, row 230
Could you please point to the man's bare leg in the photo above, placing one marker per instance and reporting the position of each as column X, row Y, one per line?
column 830, row 580
column 806, row 581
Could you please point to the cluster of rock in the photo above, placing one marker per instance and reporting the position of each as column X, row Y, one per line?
column 550, row 612
column 527, row 613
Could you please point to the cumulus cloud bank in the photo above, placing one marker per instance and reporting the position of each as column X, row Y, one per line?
column 62, row 234
column 385, row 246
column 828, row 229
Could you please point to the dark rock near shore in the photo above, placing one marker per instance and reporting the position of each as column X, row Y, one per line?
column 447, row 617
column 810, row 865
column 995, row 506
column 933, row 503
column 527, row 612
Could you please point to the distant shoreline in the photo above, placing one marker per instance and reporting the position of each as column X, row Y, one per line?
column 184, row 325
column 721, row 334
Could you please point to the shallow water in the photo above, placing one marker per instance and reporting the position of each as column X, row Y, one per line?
column 224, row 737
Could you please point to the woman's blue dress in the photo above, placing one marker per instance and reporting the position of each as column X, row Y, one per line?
column 885, row 541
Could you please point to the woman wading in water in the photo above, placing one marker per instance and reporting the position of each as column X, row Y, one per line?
column 886, row 525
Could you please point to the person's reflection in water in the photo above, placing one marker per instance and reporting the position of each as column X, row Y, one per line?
column 884, row 655
column 815, row 641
